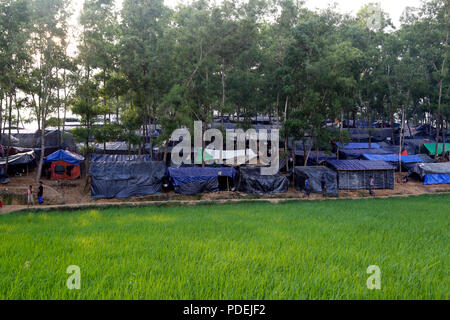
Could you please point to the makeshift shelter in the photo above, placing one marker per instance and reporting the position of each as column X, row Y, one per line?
column 126, row 179
column 356, row 154
column 20, row 162
column 195, row 180
column 314, row 158
column 315, row 175
column 118, row 147
column 434, row 173
column 56, row 139
column 416, row 145
column 120, row 158
column 359, row 145
column 393, row 159
column 252, row 181
column 64, row 165
column 430, row 148
column 355, row 174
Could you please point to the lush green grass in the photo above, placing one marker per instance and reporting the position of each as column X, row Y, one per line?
column 297, row 250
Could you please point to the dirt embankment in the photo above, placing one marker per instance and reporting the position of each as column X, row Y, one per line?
column 77, row 192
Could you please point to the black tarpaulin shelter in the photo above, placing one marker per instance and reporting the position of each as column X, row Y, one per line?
column 195, row 180
column 315, row 175
column 355, row 174
column 355, row 154
column 252, row 181
column 126, row 179
column 314, row 158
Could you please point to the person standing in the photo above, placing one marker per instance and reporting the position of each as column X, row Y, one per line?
column 41, row 193
column 323, row 184
column 307, row 187
column 371, row 185
column 30, row 196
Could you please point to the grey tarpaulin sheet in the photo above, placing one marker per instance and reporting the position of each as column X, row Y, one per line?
column 251, row 181
column 315, row 175
column 126, row 179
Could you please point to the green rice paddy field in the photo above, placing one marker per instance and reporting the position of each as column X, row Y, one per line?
column 294, row 250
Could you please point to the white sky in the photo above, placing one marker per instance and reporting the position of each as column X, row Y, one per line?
column 394, row 8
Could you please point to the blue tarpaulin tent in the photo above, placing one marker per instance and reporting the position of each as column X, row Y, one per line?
column 393, row 158
column 65, row 155
column 359, row 145
column 194, row 180
column 434, row 173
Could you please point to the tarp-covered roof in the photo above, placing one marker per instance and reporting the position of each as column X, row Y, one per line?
column 393, row 158
column 434, row 168
column 19, row 158
column 126, row 179
column 359, row 145
column 65, row 155
column 120, row 158
column 353, row 154
column 431, row 148
column 352, row 165
column 251, row 181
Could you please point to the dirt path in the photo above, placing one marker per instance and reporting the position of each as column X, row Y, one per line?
column 131, row 204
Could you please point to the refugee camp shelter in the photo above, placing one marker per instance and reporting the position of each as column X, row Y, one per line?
column 195, row 180
column 64, row 164
column 315, row 175
column 359, row 145
column 252, row 181
column 314, row 158
column 416, row 145
column 430, row 148
column 434, row 173
column 112, row 178
column 393, row 159
column 355, row 174
column 356, row 154
column 120, row 158
column 19, row 161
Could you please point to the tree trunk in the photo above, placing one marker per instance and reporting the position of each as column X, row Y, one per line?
column 286, row 138
column 41, row 160
column 166, row 150
column 9, row 131
column 223, row 91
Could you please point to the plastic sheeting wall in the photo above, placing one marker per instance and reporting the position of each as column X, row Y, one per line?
column 195, row 180
column 315, row 178
column 437, row 179
column 359, row 179
column 126, row 179
column 251, row 181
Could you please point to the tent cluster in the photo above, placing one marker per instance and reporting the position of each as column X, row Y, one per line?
column 119, row 170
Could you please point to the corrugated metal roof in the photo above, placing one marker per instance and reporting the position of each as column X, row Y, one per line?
column 351, row 165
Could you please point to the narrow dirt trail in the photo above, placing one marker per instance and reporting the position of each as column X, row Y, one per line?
column 131, row 204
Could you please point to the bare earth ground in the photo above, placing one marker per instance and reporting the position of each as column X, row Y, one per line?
column 76, row 194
